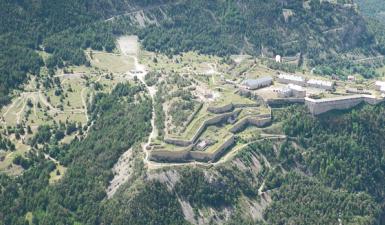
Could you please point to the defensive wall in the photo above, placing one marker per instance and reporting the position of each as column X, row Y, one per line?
column 284, row 101
column 209, row 122
column 255, row 121
column 191, row 118
column 229, row 107
column 187, row 154
column 319, row 106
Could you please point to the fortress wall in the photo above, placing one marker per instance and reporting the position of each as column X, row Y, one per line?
column 319, row 107
column 207, row 156
column 209, row 122
column 246, row 105
column 281, row 101
column 239, row 126
column 230, row 107
column 267, row 115
column 373, row 101
column 192, row 116
column 258, row 122
column 187, row 154
column 222, row 109
column 165, row 155
column 177, row 142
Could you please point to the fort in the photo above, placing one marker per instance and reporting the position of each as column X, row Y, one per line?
column 229, row 114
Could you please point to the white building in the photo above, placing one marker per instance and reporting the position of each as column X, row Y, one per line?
column 321, row 84
column 285, row 93
column 253, row 84
column 292, row 90
column 278, row 58
column 297, row 91
column 380, row 86
column 351, row 78
column 291, row 79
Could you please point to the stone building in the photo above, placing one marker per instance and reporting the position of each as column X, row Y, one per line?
column 297, row 91
column 253, row 84
column 291, row 79
column 380, row 86
column 292, row 90
column 321, row 84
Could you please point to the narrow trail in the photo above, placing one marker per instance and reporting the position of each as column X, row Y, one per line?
column 369, row 58
column 141, row 10
column 46, row 103
column 19, row 114
column 35, row 99
column 11, row 106
column 46, row 156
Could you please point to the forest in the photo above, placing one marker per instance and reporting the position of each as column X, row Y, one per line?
column 120, row 123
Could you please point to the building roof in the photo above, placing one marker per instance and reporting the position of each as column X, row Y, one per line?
column 284, row 90
column 320, row 82
column 380, row 83
column 291, row 77
column 295, row 87
column 256, row 82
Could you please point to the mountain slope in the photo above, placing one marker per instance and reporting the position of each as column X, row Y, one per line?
column 281, row 27
column 373, row 8
column 286, row 27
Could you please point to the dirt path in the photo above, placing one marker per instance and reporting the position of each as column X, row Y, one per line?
column 369, row 58
column 46, row 156
column 20, row 113
column 46, row 103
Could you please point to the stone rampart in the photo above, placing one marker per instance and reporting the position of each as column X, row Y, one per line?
column 166, row 155
column 230, row 107
column 188, row 154
column 209, row 122
column 211, row 156
column 255, row 121
column 284, row 101
column 221, row 109
column 319, row 106
column 192, row 116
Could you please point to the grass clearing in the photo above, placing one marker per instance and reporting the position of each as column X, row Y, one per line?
column 228, row 96
column 111, row 62
column 7, row 166
column 57, row 174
